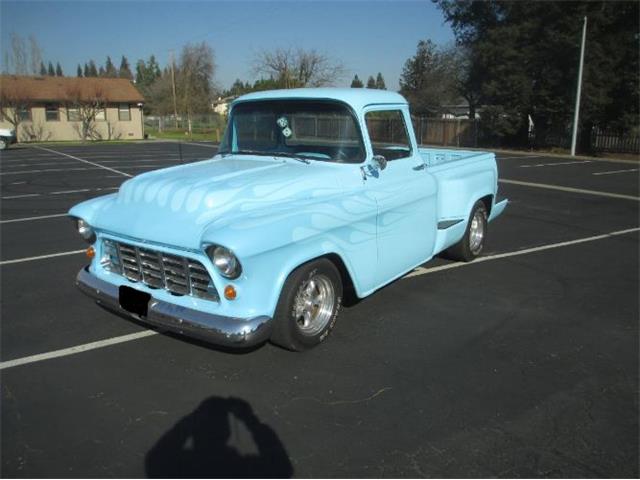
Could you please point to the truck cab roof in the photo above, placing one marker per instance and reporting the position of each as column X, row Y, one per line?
column 357, row 98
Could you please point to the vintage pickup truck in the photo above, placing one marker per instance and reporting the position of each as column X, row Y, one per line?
column 313, row 192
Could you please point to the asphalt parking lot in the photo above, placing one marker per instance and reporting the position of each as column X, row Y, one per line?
column 524, row 364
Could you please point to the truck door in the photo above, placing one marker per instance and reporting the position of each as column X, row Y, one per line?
column 404, row 191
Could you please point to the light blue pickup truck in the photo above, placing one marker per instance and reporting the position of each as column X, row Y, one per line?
column 313, row 194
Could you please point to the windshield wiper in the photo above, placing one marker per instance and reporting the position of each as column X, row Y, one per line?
column 266, row 154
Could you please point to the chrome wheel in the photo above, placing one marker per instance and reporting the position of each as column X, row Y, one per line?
column 313, row 304
column 3, row 144
column 476, row 232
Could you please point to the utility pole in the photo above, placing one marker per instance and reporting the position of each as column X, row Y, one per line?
column 173, row 86
column 576, row 115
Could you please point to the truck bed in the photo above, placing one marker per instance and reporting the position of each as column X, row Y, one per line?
column 439, row 156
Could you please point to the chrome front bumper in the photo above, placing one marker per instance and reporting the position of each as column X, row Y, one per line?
column 216, row 329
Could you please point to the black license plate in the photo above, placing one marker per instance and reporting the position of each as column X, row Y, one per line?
column 134, row 301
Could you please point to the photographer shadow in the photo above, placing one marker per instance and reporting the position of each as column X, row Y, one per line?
column 198, row 446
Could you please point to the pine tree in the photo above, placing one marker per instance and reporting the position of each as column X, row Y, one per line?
column 102, row 72
column 79, row 72
column 50, row 70
column 110, row 69
column 86, row 70
column 380, row 82
column 125, row 71
column 59, row 72
column 43, row 69
column 93, row 71
column 371, row 83
column 356, row 82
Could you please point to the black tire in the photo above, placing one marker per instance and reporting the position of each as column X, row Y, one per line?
column 289, row 330
column 464, row 250
column 4, row 143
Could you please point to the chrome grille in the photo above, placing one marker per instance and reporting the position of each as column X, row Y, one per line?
column 179, row 275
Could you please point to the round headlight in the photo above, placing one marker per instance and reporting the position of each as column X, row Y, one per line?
column 225, row 262
column 85, row 230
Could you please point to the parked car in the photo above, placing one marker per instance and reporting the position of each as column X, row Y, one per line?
column 7, row 138
column 313, row 192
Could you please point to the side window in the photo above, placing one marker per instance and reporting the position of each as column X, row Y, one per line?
column 388, row 134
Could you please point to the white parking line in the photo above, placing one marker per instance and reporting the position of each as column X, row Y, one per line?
column 28, row 219
column 518, row 157
column 612, row 172
column 60, row 192
column 77, row 349
column 569, row 189
column 554, row 164
column 85, row 161
column 419, row 271
column 422, row 271
column 131, row 167
column 41, row 257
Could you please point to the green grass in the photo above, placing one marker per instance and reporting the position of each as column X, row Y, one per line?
column 181, row 135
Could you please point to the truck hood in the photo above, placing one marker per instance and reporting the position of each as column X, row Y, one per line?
column 173, row 206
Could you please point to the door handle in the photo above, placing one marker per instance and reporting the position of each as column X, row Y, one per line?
column 419, row 167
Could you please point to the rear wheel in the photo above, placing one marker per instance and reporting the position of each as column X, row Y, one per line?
column 308, row 306
column 474, row 237
column 4, row 143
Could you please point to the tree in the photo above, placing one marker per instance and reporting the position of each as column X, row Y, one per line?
column 85, row 105
column 93, row 71
column 14, row 101
column 50, row 70
column 125, row 71
column 43, row 69
column 297, row 68
column 524, row 55
column 371, row 83
column 427, row 80
column 79, row 71
column 110, row 69
column 195, row 79
column 59, row 72
column 86, row 70
column 35, row 55
column 18, row 56
column 101, row 72
column 380, row 82
column 356, row 82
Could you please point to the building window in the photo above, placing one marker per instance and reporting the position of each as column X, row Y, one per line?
column 24, row 114
column 52, row 112
column 73, row 114
column 124, row 113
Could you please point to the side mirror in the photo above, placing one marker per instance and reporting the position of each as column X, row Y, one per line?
column 380, row 161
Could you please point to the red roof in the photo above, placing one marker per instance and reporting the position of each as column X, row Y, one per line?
column 60, row 88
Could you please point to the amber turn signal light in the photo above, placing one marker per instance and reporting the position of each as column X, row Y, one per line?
column 91, row 252
column 230, row 292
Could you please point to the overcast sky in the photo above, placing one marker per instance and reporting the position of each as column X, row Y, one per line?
column 366, row 36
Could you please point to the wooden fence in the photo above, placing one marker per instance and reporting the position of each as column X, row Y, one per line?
column 446, row 132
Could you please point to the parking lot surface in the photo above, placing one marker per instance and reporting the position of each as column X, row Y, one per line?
column 524, row 363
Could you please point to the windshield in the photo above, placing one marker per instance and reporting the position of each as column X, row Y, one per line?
column 307, row 130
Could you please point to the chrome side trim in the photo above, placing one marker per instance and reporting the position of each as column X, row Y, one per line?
column 216, row 329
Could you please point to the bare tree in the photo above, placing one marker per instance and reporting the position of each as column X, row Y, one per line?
column 35, row 55
column 83, row 106
column 18, row 55
column 13, row 103
column 298, row 68
column 195, row 79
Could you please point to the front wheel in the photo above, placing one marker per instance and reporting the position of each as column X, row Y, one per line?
column 308, row 306
column 474, row 237
column 4, row 143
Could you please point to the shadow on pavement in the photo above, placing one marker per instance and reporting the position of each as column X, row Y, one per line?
column 199, row 445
